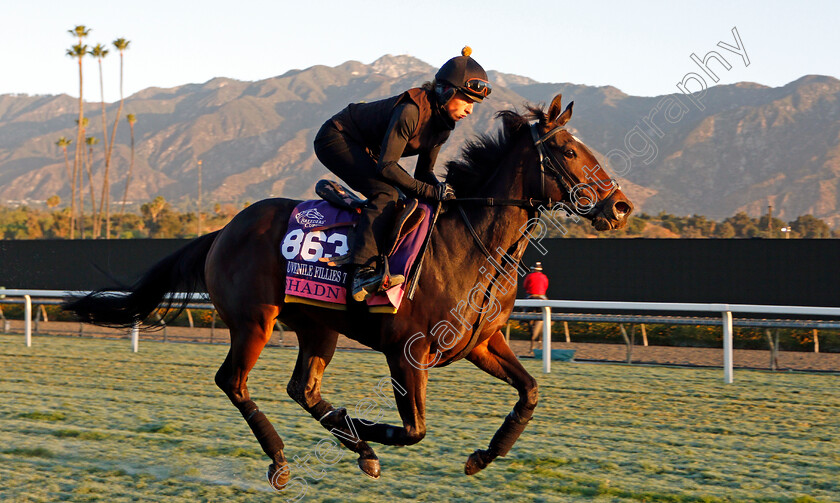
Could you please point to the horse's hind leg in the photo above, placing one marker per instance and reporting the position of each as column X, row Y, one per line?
column 495, row 357
column 409, row 385
column 247, row 342
column 317, row 346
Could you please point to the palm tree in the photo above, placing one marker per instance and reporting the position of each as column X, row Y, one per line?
column 78, row 177
column 63, row 143
column 80, row 31
column 78, row 51
column 131, row 120
column 121, row 44
column 99, row 51
column 199, row 198
column 91, row 141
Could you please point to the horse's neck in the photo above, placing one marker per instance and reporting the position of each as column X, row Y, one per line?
column 497, row 227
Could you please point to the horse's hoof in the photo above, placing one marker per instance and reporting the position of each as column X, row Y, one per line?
column 278, row 475
column 370, row 467
column 477, row 461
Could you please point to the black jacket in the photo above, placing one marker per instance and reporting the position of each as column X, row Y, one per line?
column 411, row 123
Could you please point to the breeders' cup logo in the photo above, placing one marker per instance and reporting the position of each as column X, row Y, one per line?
column 310, row 218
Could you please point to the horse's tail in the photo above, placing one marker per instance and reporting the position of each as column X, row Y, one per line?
column 181, row 271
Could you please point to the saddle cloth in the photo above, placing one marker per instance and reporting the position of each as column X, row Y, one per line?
column 318, row 229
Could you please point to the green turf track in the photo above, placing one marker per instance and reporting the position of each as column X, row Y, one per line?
column 87, row 420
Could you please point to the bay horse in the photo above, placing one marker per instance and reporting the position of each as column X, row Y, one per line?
column 463, row 297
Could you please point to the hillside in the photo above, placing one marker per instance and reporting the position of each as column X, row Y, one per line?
column 751, row 146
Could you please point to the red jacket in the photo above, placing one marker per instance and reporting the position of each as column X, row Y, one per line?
column 536, row 283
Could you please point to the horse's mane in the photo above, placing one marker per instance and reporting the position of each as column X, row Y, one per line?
column 481, row 156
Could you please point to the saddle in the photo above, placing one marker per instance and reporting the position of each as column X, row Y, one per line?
column 339, row 195
column 406, row 219
column 317, row 245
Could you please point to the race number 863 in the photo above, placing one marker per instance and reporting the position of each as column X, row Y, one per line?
column 314, row 245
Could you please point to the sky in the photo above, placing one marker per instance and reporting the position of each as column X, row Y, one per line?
column 643, row 48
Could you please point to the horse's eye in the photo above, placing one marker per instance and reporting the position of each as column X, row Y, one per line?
column 569, row 154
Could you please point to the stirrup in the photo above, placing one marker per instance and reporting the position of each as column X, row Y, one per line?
column 379, row 281
column 388, row 280
column 378, row 284
column 365, row 288
column 391, row 281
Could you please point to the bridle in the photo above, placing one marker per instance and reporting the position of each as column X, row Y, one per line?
column 556, row 169
column 559, row 171
column 548, row 164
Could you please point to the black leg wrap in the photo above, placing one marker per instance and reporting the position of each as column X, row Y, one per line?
column 266, row 435
column 507, row 434
column 321, row 409
column 247, row 409
column 336, row 419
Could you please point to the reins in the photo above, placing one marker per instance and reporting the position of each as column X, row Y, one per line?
column 529, row 203
column 474, row 234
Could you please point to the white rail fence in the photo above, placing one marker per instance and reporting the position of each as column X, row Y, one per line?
column 725, row 312
column 53, row 297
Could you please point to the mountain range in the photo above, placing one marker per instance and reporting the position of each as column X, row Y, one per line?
column 750, row 147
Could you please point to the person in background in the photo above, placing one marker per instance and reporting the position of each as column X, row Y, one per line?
column 536, row 284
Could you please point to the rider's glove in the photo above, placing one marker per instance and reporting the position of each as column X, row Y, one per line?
column 444, row 192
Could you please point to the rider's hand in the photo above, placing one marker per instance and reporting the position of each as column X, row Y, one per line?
column 444, row 192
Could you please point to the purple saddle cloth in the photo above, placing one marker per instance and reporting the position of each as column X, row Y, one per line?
column 318, row 229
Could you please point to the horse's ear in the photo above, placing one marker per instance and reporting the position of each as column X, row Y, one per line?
column 565, row 116
column 555, row 107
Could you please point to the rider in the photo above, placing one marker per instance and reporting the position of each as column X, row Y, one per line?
column 363, row 143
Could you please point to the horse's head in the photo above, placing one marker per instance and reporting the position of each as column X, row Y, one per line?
column 570, row 172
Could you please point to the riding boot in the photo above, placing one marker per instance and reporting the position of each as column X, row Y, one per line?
column 372, row 278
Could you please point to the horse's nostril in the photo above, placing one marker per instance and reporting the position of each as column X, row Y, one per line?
column 621, row 209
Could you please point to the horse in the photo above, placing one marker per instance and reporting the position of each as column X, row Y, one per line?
column 531, row 166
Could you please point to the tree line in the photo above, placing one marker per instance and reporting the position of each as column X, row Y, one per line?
column 740, row 225
column 159, row 219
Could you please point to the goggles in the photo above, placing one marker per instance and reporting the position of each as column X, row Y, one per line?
column 478, row 87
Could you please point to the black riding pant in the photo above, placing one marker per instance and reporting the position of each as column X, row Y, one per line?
column 352, row 163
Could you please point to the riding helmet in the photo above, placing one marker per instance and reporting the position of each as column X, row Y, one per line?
column 462, row 73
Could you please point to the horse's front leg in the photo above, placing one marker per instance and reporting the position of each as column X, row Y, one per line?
column 495, row 357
